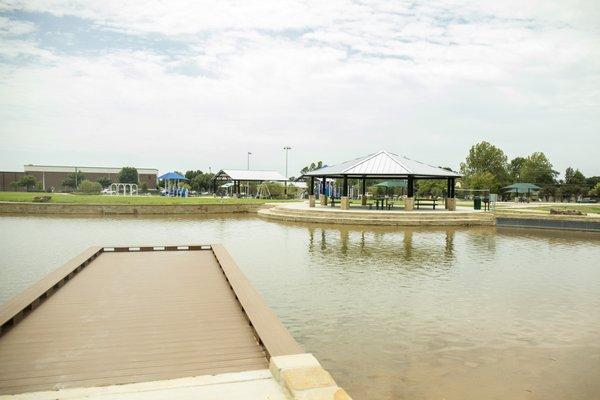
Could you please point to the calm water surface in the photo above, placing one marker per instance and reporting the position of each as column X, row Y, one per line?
column 479, row 313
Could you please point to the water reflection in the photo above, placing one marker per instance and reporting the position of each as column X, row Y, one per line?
column 409, row 247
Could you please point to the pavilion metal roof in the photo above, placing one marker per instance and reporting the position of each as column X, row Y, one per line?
column 521, row 187
column 383, row 164
column 249, row 175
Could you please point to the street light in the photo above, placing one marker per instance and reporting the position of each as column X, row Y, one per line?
column 248, row 168
column 286, row 148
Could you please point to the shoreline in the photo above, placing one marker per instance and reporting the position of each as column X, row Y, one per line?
column 30, row 208
column 503, row 218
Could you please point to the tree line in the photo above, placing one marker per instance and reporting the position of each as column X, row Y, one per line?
column 488, row 167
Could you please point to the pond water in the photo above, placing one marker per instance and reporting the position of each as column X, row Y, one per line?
column 392, row 313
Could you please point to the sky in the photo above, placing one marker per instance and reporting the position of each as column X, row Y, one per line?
column 179, row 85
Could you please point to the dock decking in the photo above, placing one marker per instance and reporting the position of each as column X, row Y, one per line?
column 123, row 315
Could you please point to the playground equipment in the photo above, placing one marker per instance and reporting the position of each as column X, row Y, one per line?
column 262, row 191
column 124, row 188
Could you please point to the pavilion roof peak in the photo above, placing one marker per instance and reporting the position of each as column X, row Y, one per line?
column 383, row 163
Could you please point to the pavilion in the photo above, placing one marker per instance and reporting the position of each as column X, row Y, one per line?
column 381, row 165
column 243, row 175
column 522, row 187
column 172, row 179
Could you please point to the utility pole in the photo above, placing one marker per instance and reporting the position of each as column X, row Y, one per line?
column 286, row 148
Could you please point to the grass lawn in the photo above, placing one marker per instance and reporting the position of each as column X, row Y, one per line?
column 107, row 199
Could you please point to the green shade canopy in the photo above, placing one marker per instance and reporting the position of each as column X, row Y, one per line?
column 392, row 184
column 521, row 187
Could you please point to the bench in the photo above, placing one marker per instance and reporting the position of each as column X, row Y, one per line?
column 425, row 202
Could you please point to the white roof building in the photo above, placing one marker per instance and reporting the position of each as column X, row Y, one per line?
column 249, row 175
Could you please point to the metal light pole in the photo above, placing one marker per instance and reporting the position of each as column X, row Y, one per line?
column 286, row 148
column 248, row 168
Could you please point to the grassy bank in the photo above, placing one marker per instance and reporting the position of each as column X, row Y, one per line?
column 131, row 200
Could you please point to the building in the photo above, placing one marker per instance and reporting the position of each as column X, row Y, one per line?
column 51, row 176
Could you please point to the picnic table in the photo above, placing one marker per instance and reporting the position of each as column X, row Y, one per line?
column 381, row 202
column 425, row 202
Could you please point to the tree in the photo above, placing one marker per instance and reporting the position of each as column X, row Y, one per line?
column 27, row 181
column 311, row 167
column 592, row 181
column 192, row 174
column 431, row 187
column 574, row 177
column 549, row 190
column 199, row 180
column 104, row 181
column 575, row 183
column 482, row 181
column 128, row 175
column 537, row 169
column 485, row 159
column 595, row 190
column 514, row 168
column 72, row 180
column 89, row 187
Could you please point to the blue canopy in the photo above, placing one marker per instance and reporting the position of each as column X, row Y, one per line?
column 172, row 176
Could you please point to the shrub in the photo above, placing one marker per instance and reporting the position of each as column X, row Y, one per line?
column 42, row 199
column 275, row 189
column 89, row 187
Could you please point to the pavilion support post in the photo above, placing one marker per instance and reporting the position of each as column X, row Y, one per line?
column 447, row 192
column 311, row 192
column 409, row 202
column 344, row 201
column 363, row 198
column 451, row 199
column 323, row 191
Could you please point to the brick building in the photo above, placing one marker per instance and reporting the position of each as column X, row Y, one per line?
column 52, row 176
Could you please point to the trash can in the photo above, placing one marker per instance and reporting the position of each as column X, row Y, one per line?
column 477, row 203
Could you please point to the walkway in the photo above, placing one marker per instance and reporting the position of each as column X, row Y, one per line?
column 358, row 215
column 137, row 315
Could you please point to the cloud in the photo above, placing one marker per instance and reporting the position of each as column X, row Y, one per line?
column 332, row 79
column 11, row 28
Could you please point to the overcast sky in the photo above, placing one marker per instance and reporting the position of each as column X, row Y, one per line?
column 180, row 85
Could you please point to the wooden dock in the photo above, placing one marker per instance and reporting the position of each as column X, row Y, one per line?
column 116, row 315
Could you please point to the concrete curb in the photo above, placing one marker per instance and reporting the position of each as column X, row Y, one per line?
column 302, row 378
column 383, row 219
column 124, row 209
